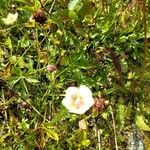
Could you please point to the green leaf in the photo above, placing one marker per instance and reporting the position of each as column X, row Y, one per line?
column 31, row 7
column 52, row 134
column 1, row 52
column 105, row 115
column 23, row 1
column 8, row 43
column 3, row 137
column 13, row 59
column 72, row 14
column 23, row 125
column 121, row 113
column 87, row 8
column 86, row 142
column 21, row 147
column 15, row 80
column 72, row 4
column 21, row 62
column 24, row 42
column 17, row 71
column 30, row 80
column 141, row 123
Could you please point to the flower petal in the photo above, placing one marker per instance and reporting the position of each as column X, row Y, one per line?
column 87, row 95
column 11, row 18
column 70, row 92
column 84, row 90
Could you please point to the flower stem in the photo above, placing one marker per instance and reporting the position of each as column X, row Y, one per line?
column 114, row 127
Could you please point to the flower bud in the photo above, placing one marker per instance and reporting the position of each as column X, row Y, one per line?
column 51, row 68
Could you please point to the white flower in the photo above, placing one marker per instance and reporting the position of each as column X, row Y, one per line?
column 78, row 100
column 11, row 18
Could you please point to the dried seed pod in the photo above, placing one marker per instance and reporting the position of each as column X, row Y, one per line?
column 100, row 104
column 40, row 16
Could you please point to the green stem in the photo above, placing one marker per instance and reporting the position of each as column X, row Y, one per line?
column 114, row 127
column 37, row 46
column 145, row 34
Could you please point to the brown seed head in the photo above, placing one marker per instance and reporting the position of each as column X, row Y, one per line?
column 99, row 104
column 40, row 16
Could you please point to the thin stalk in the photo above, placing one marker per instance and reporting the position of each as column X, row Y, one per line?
column 37, row 46
column 52, row 6
column 99, row 139
column 145, row 34
column 114, row 127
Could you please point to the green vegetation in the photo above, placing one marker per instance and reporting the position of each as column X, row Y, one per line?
column 47, row 46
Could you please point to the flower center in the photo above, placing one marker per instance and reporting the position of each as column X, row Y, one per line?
column 77, row 101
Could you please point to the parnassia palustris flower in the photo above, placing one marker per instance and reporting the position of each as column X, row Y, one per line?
column 78, row 100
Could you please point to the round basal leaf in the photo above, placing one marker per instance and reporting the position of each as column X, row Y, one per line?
column 86, row 142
